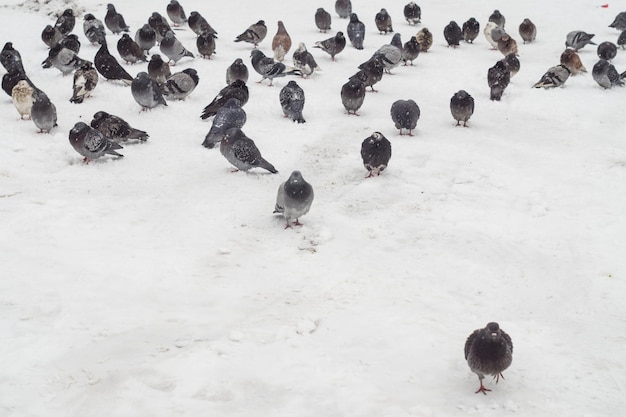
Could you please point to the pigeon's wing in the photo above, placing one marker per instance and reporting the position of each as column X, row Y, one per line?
column 470, row 340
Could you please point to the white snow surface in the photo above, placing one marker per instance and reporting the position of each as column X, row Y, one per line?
column 161, row 284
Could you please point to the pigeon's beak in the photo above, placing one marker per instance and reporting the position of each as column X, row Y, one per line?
column 494, row 334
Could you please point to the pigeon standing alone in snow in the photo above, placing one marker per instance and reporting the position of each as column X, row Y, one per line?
column 180, row 84
column 527, row 30
column 85, row 81
column 353, row 93
column 605, row 74
column 462, row 107
column 91, row 143
column 108, row 67
column 294, row 198
column 145, row 37
column 22, row 96
column 425, row 39
column 129, row 50
column 43, row 113
column 410, row 50
column 375, row 153
column 498, row 78
column 291, row 99
column 94, row 29
column 146, row 91
column 356, row 31
column 176, row 13
column 229, row 115
column 405, row 114
column 237, row 89
column 173, row 48
column 383, row 21
column 114, row 20
column 304, row 61
column 205, row 42
column 607, row 50
column 571, row 60
column 237, row 71
column 158, row 69
column 554, row 77
column 497, row 18
column 488, row 351
column 332, row 46
column 343, row 8
column 242, row 153
column 322, row 20
column 470, row 29
column 453, row 34
column 412, row 13
column 577, row 39
column 115, row 128
column 281, row 42
column 254, row 34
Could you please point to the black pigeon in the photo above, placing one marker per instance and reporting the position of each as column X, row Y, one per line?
column 173, row 48
column 607, row 50
column 91, row 143
column 488, row 351
column 577, row 39
column 229, row 115
column 237, row 71
column 322, row 20
column 353, row 93
column 621, row 39
column 66, row 22
column 176, row 13
column 462, row 107
column 85, row 81
column 292, row 101
column 114, row 20
column 94, row 29
column 63, row 59
column 412, row 13
column 159, row 24
column 554, row 77
column 470, row 29
column 332, row 46
column 158, row 69
column 498, row 78
column 294, row 198
column 512, row 63
column 129, row 50
column 10, row 80
column 343, row 8
column 376, row 153
column 237, row 89
column 528, row 31
column 405, row 114
column 51, row 36
column 453, row 34
column 304, row 61
column 356, row 31
column 373, row 69
column 145, row 37
column 70, row 42
column 619, row 22
column 10, row 58
column 497, row 18
column 268, row 68
column 147, row 92
column 254, row 34
column 116, row 129
column 206, row 45
column 242, row 153
column 108, row 67
column 383, row 21
column 410, row 50
column 43, row 113
column 199, row 24
column 180, row 84
column 605, row 74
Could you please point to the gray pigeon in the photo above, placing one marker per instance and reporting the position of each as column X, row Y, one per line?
column 158, row 69
column 453, row 34
column 159, row 24
column 145, row 37
column 383, row 21
column 376, row 153
column 322, row 20
column 180, row 84
column 528, row 31
column 343, row 8
column 229, row 115
column 199, row 24
column 304, row 61
column 577, row 39
column 353, row 93
column 488, row 351
column 372, row 70
column 292, row 101
column 390, row 54
column 115, row 128
column 10, row 58
column 94, row 29
column 22, row 96
column 607, row 50
column 173, row 48
column 405, row 114
column 512, row 63
column 65, row 23
column 85, row 81
column 10, row 80
column 493, row 33
column 498, row 78
column 108, row 67
column 470, row 30
column 51, row 36
column 43, row 113
column 332, row 46
column 91, row 143
column 176, row 13
column 237, row 89
column 254, row 34
column 146, row 91
column 356, row 31
column 497, row 18
column 268, row 68
column 237, row 71
column 294, row 199
column 619, row 22
column 71, row 42
column 554, row 77
column 63, row 59
column 605, row 74
column 410, row 50
column 129, row 50
column 242, row 153
column 621, row 39
column 114, row 20
column 205, row 42
column 412, row 13
column 462, row 107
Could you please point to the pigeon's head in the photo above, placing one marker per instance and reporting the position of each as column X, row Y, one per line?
column 461, row 94
column 110, row 7
column 78, row 128
column 89, row 17
column 301, row 47
column 354, row 18
column 156, row 58
column 295, row 177
column 231, row 134
column 255, row 53
column 100, row 115
column 339, row 35
column 169, row 35
column 68, row 13
column 493, row 330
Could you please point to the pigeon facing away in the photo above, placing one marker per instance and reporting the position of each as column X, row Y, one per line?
column 577, row 39
column 383, row 22
column 332, row 46
column 10, row 58
column 176, row 13
column 254, row 34
column 43, row 113
column 129, row 50
column 294, row 198
column 605, row 74
column 528, row 31
column 237, row 89
column 343, row 8
column 242, row 153
column 353, row 93
column 180, row 84
column 412, row 13
column 199, row 24
column 51, row 36
column 65, row 23
column 304, row 61
column 91, row 143
column 22, row 96
column 425, row 39
column 405, row 114
column 571, row 60
column 376, row 153
column 281, row 42
column 410, row 50
column 291, row 99
column 356, row 31
column 488, row 351
column 462, row 107
column 619, row 22
column 94, row 29
column 205, row 43
column 470, row 30
column 554, row 77
column 108, row 67
column 85, row 81
column 115, row 128
column 453, row 34
column 237, row 71
column 159, row 24
column 114, row 20
column 229, row 115
column 146, row 91
column 498, row 78
column 607, row 50
column 158, row 69
column 173, row 48
column 507, row 45
column 512, row 63
column 497, row 18
column 63, row 59
column 322, row 20
column 145, row 37
column 268, row 68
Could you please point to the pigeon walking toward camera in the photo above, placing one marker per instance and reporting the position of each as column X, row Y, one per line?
column 10, row 58
column 228, row 116
column 410, row 50
column 242, row 153
column 180, row 84
column 237, row 89
column 498, row 78
column 577, row 39
column 200, row 25
column 375, row 153
column 497, row 18
column 322, row 20
column 146, row 91
column 22, row 96
column 405, row 114
column 63, row 59
column 268, row 68
column 91, row 143
column 507, row 45
column 294, row 198
column 425, row 39
column 281, row 42
column 470, row 30
column 158, row 69
column 145, row 37
column 412, row 13
column 353, row 93
column 356, row 31
column 291, row 99
column 173, row 48
column 383, row 22
column 85, row 81
column 554, row 77
column 93, row 29
column 107, row 65
column 43, row 113
column 254, row 34
column 462, row 107
column 157, row 22
column 205, row 43
column 453, row 34
column 51, row 36
column 528, row 31
column 116, row 129
column 607, row 50
column 512, row 63
column 115, row 21
column 332, row 46
column 176, row 13
column 237, row 71
column 619, row 22
column 129, row 50
column 304, row 61
column 605, row 74
column 488, row 351
column 571, row 60
column 343, row 8
column 66, row 22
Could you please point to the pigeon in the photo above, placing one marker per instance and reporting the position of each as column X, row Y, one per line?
column 237, row 89
column 129, row 50
column 254, row 34
column 512, row 63
column 108, row 67
column 605, row 74
column 241, row 151
column 292, row 101
column 554, row 77
column 43, row 113
column 51, row 36
column 356, row 31
column 353, row 93
column 322, row 20
column 621, row 39
column 176, row 13
column 115, row 21
column 470, row 30
column 507, row 45
column 294, row 199
column 375, row 152
column 94, row 29
column 527, row 30
column 10, row 58
column 498, row 78
column 85, row 81
column 237, row 71
column 146, row 91
column 22, row 96
column 91, row 143
column 619, row 22
column 405, row 114
column 412, row 13
column 607, row 51
column 180, row 84
column 199, row 24
column 116, row 129
column 268, row 68
column 159, row 24
column 66, row 22
column 70, row 42
column 425, row 39
column 497, row 18
column 383, row 22
column 343, row 8
column 493, row 33
column 410, row 50
column 462, row 107
column 158, row 69
column 145, row 37
column 332, row 46
column 10, row 80
column 571, row 60
column 63, row 59
column 173, row 48
column 373, row 70
column 304, row 61
column 229, row 115
column 205, row 43
column 390, row 55
column 453, row 34
column 281, row 42
column 488, row 351
column 577, row 39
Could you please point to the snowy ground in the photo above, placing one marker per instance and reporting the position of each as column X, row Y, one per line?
column 161, row 284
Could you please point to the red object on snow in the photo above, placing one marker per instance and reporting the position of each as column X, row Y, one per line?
column 606, row 6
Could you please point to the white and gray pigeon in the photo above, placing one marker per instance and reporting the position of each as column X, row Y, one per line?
column 493, row 33
column 228, row 116
column 356, row 31
column 605, row 74
column 405, row 114
column 554, row 77
column 93, row 29
column 242, row 153
column 91, row 143
column 173, row 48
column 114, row 20
column 85, row 81
column 63, row 59
column 43, row 112
column 291, row 99
column 237, row 71
column 375, row 153
column 176, row 13
column 146, row 91
column 268, row 68
column 462, row 107
column 180, row 84
column 304, row 61
column 488, row 351
column 116, row 129
column 577, row 39
column 294, row 199
column 391, row 54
